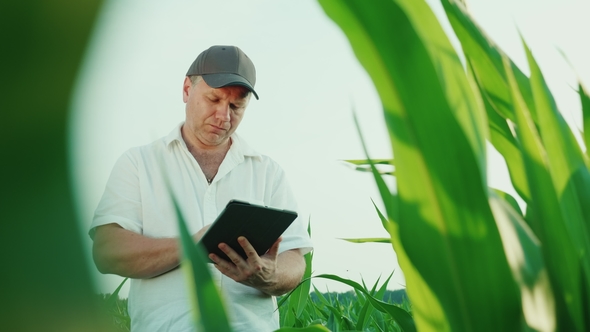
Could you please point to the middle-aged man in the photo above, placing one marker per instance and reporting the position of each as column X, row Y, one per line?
column 202, row 164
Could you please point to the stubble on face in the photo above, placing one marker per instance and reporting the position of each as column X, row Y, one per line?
column 212, row 115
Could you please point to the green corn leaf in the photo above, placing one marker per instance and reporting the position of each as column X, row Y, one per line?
column 457, row 87
column 299, row 296
column 523, row 251
column 567, row 166
column 367, row 310
column 311, row 328
column 486, row 59
column 381, row 292
column 321, row 296
column 384, row 191
column 369, row 240
column 115, row 296
column 208, row 307
column 363, row 321
column 547, row 220
column 401, row 316
column 332, row 324
column 585, row 101
column 420, row 292
column 445, row 224
column 508, row 199
column 367, row 162
column 363, row 165
column 503, row 140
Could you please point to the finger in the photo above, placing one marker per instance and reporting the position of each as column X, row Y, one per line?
column 232, row 255
column 248, row 248
column 228, row 269
column 274, row 249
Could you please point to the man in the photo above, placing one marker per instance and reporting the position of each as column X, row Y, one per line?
column 203, row 164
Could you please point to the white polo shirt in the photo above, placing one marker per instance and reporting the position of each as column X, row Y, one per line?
column 136, row 198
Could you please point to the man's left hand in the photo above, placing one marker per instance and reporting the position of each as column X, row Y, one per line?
column 260, row 272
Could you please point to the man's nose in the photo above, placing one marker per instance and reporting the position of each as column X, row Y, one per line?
column 222, row 111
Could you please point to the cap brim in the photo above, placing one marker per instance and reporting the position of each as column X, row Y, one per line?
column 227, row 79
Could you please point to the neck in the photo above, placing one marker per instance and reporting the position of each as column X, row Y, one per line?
column 198, row 148
column 209, row 159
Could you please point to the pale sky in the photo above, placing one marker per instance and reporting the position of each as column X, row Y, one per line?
column 309, row 82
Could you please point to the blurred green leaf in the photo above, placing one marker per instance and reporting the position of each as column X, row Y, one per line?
column 367, row 162
column 547, row 220
column 46, row 275
column 567, row 168
column 585, row 101
column 207, row 304
column 503, row 140
column 484, row 59
column 370, row 240
column 508, row 199
column 525, row 257
column 442, row 206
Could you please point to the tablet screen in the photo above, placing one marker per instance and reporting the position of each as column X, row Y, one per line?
column 261, row 225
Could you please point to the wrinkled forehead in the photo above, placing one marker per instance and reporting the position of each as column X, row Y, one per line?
column 233, row 91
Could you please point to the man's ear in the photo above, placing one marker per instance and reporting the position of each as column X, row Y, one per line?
column 186, row 86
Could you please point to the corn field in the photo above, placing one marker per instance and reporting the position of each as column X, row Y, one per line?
column 473, row 261
column 473, row 258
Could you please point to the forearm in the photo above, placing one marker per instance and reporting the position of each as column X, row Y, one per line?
column 122, row 252
column 290, row 269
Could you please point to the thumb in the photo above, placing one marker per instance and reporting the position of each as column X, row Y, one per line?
column 274, row 249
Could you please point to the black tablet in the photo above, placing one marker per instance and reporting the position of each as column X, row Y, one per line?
column 261, row 225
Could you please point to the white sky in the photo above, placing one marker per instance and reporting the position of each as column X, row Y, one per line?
column 308, row 80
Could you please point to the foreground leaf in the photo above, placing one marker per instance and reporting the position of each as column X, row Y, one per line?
column 444, row 222
column 567, row 168
column 585, row 101
column 484, row 58
column 525, row 257
column 207, row 304
column 546, row 218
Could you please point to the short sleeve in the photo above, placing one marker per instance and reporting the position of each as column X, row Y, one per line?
column 296, row 236
column 121, row 200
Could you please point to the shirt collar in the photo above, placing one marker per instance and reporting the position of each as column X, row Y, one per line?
column 239, row 145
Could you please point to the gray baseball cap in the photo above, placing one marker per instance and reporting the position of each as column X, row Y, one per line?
column 225, row 66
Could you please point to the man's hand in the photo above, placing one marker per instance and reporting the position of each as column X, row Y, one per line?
column 270, row 273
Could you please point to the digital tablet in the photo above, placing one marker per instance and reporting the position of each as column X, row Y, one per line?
column 261, row 225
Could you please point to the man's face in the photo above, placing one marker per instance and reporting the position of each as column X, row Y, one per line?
column 212, row 115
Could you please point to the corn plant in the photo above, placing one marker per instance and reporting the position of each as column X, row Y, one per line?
column 365, row 312
column 472, row 260
column 116, row 310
